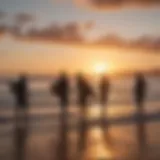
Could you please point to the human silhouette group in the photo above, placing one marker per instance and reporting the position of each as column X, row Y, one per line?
column 61, row 90
column 85, row 93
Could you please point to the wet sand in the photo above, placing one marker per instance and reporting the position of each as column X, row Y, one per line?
column 53, row 138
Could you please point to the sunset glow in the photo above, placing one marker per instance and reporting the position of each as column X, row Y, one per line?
column 101, row 68
column 48, row 36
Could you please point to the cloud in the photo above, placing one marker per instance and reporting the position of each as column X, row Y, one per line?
column 111, row 39
column 70, row 32
column 117, row 4
column 23, row 18
column 147, row 43
column 2, row 14
column 21, row 28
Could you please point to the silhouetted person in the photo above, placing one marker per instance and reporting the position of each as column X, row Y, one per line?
column 140, row 93
column 61, row 89
column 140, row 90
column 104, row 90
column 84, row 90
column 20, row 91
column 84, row 93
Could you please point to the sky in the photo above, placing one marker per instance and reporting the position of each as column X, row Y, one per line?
column 74, row 36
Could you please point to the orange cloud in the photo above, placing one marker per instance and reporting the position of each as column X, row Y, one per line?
column 146, row 42
column 117, row 4
column 67, row 33
column 72, row 32
column 21, row 28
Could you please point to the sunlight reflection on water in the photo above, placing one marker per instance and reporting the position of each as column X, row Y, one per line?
column 96, row 146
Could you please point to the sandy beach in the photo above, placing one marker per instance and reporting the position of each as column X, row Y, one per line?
column 122, row 137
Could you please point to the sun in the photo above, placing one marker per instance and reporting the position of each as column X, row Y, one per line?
column 100, row 68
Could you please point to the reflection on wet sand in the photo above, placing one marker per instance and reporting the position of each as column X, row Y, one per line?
column 20, row 135
column 97, row 146
column 141, row 134
column 62, row 146
column 88, row 141
column 93, row 141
